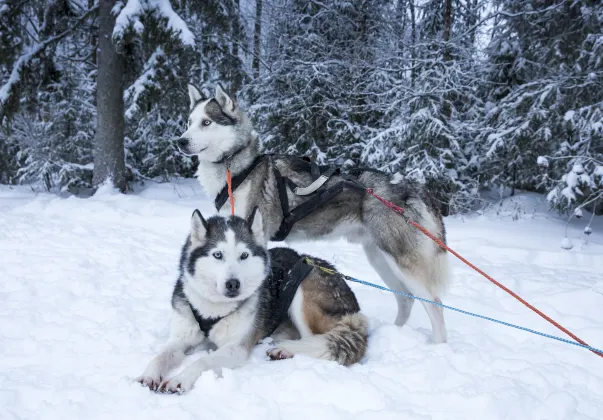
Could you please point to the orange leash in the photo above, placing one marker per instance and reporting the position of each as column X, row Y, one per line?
column 400, row 211
column 230, row 195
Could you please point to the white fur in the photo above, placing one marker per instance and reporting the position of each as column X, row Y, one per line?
column 297, row 315
column 194, row 95
column 212, row 179
column 184, row 334
column 230, row 357
column 226, row 102
column 211, row 274
column 234, row 328
column 313, row 346
column 229, row 335
column 417, row 288
column 205, row 306
column 210, row 142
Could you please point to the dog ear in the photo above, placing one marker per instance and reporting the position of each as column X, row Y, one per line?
column 226, row 102
column 198, row 226
column 256, row 223
column 194, row 95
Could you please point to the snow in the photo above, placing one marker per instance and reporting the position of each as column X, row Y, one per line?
column 542, row 161
column 134, row 8
column 128, row 13
column 569, row 115
column 175, row 22
column 85, row 305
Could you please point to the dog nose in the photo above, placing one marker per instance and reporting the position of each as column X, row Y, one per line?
column 233, row 285
column 182, row 142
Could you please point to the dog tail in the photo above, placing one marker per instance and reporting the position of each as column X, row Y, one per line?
column 345, row 343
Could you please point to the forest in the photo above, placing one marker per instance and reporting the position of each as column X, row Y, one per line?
column 467, row 96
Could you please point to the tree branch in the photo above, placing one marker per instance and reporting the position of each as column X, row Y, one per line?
column 8, row 89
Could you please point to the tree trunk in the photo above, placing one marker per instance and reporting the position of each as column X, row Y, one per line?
column 447, row 28
column 401, row 18
column 257, row 33
column 109, row 156
column 446, row 53
column 236, row 34
column 413, row 42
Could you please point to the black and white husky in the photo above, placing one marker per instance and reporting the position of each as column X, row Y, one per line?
column 230, row 295
column 221, row 135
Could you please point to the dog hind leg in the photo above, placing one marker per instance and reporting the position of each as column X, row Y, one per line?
column 345, row 343
column 416, row 277
column 392, row 280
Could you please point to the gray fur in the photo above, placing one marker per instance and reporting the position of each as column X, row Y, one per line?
column 406, row 260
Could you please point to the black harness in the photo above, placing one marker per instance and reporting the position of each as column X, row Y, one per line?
column 316, row 198
column 207, row 323
column 282, row 285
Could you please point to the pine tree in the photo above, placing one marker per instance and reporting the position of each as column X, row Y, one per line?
column 545, row 100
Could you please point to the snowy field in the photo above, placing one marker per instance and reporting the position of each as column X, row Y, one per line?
column 85, row 304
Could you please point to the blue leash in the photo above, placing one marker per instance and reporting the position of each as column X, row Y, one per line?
column 563, row 340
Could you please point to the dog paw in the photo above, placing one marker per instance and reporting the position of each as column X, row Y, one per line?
column 170, row 387
column 179, row 384
column 150, row 382
column 279, row 353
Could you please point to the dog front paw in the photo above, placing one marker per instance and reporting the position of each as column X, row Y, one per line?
column 179, row 384
column 150, row 382
column 279, row 353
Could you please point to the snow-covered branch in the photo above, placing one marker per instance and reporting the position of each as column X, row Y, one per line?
column 130, row 15
column 8, row 88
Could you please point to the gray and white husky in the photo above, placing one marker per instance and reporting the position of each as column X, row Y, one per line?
column 221, row 135
column 228, row 296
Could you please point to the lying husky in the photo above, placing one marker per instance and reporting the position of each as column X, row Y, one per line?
column 232, row 293
column 221, row 135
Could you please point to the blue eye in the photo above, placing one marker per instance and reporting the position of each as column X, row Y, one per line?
column 244, row 256
column 217, row 255
column 206, row 122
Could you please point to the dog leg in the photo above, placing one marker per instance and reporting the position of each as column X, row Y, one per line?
column 229, row 356
column 415, row 280
column 345, row 343
column 184, row 334
column 392, row 280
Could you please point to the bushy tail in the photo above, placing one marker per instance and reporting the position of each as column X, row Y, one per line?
column 345, row 343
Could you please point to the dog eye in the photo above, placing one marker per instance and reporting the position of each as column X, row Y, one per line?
column 206, row 122
column 244, row 256
column 217, row 255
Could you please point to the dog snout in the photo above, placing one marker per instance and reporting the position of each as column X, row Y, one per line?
column 232, row 287
column 182, row 143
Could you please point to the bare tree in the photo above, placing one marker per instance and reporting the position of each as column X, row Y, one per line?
column 109, row 156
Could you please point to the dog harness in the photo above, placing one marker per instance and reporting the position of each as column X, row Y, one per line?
column 317, row 192
column 282, row 285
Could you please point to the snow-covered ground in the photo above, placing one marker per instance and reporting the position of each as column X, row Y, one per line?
column 85, row 301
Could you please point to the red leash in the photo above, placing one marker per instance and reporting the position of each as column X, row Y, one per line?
column 230, row 195
column 400, row 211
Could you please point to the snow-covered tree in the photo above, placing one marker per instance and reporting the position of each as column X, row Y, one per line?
column 545, row 99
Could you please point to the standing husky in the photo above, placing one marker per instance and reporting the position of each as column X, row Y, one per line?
column 230, row 293
column 221, row 135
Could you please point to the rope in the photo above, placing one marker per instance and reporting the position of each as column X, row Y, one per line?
column 230, row 195
column 487, row 318
column 400, row 211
